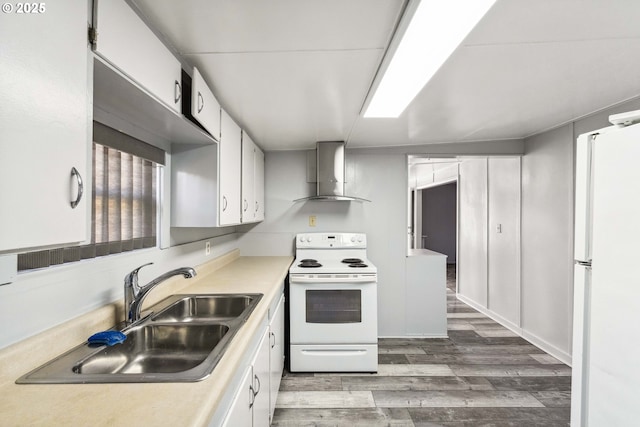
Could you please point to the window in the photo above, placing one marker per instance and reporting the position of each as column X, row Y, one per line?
column 124, row 201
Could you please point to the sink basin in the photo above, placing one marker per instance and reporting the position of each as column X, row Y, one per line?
column 156, row 349
column 205, row 308
column 179, row 339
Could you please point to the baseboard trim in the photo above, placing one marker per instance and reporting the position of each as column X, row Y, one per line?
column 554, row 351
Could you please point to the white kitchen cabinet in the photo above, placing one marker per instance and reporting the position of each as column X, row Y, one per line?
column 258, row 185
column 241, row 411
column 261, row 387
column 125, row 41
column 204, row 106
column 252, row 181
column 229, row 164
column 250, row 405
column 45, row 127
column 276, row 353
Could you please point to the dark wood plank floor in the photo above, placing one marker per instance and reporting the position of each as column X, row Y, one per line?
column 482, row 375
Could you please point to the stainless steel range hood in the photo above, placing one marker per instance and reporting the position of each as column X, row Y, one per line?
column 330, row 174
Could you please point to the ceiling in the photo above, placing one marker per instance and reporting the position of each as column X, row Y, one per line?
column 293, row 72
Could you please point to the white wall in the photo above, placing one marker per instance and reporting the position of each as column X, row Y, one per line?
column 489, row 259
column 472, row 246
column 504, row 244
column 547, row 239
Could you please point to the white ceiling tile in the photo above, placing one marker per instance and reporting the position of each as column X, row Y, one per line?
column 291, row 99
column 539, row 21
column 201, row 26
column 511, row 91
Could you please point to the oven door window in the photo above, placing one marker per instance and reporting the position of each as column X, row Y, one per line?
column 334, row 306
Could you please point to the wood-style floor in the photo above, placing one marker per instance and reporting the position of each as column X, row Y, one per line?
column 482, row 375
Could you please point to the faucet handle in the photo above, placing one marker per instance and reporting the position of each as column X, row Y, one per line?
column 131, row 279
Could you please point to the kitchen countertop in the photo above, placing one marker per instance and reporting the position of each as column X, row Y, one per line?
column 139, row 404
column 423, row 252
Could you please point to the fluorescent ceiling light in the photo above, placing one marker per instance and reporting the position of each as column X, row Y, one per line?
column 436, row 29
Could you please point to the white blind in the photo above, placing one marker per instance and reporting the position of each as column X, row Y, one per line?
column 123, row 210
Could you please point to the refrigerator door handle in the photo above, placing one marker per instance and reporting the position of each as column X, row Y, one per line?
column 584, row 263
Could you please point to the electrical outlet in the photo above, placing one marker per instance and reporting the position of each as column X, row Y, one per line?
column 207, row 248
column 312, row 220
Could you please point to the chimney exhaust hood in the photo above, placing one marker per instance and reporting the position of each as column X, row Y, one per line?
column 330, row 174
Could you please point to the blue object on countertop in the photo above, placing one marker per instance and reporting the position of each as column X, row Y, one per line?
column 107, row 338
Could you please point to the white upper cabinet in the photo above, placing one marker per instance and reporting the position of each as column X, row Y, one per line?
column 204, row 106
column 252, row 181
column 44, row 127
column 248, row 196
column 127, row 43
column 229, row 164
column 258, row 181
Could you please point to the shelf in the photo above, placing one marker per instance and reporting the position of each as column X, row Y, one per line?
column 120, row 101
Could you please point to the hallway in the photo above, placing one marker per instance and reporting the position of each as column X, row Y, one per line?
column 483, row 374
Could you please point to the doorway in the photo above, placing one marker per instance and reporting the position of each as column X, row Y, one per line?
column 433, row 209
column 439, row 222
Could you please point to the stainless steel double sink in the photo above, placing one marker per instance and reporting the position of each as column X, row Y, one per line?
column 180, row 339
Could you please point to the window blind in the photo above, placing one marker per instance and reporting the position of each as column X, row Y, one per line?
column 123, row 210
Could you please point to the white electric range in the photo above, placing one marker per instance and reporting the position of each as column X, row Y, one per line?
column 333, row 305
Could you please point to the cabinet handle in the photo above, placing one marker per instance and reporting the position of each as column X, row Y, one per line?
column 273, row 335
column 74, row 172
column 200, row 102
column 224, row 203
column 246, row 205
column 252, row 396
column 258, row 389
column 257, row 206
column 177, row 92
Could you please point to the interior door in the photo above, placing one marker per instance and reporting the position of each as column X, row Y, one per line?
column 613, row 368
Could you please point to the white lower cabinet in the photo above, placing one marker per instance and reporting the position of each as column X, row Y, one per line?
column 241, row 413
column 254, row 399
column 276, row 353
column 261, row 386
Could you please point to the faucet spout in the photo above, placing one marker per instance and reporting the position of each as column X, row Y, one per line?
column 135, row 294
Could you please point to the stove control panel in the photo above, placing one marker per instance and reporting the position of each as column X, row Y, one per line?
column 331, row 240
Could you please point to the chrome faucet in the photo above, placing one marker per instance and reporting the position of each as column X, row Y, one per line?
column 134, row 294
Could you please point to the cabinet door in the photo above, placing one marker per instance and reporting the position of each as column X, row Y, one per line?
column 229, row 164
column 126, row 42
column 44, row 126
column 241, row 411
column 258, row 186
column 261, row 383
column 276, row 355
column 204, row 106
column 248, row 156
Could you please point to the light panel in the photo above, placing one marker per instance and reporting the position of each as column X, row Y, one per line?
column 436, row 29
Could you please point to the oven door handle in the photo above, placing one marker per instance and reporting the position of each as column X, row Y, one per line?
column 362, row 279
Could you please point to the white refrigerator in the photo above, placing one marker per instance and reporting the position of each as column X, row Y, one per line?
column 606, row 330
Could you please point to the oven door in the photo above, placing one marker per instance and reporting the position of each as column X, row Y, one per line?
column 333, row 311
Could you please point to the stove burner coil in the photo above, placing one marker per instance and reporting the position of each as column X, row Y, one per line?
column 358, row 265
column 352, row 261
column 309, row 263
